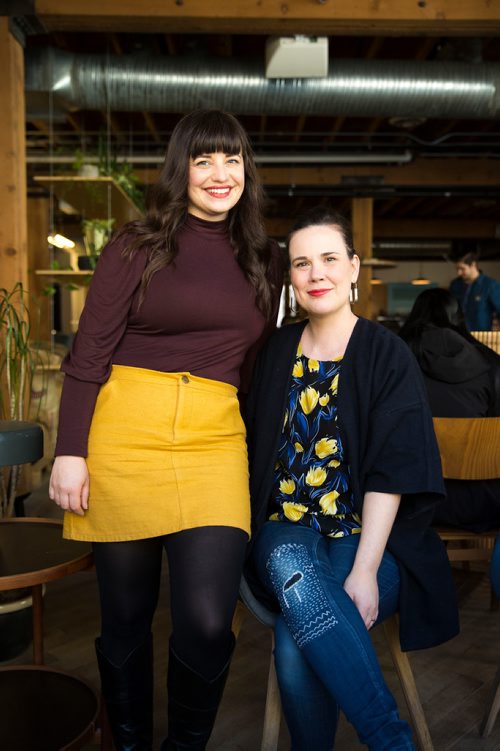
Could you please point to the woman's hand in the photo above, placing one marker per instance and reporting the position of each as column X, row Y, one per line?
column 362, row 588
column 379, row 512
column 69, row 484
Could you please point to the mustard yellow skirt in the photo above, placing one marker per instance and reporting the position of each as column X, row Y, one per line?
column 167, row 452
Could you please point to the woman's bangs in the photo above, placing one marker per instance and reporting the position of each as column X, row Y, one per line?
column 214, row 137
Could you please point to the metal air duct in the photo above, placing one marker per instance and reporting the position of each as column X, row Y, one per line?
column 358, row 88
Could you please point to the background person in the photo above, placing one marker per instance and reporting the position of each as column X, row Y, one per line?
column 151, row 452
column 344, row 474
column 462, row 377
column 478, row 294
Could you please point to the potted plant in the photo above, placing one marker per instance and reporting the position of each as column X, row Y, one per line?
column 17, row 366
column 96, row 233
column 122, row 173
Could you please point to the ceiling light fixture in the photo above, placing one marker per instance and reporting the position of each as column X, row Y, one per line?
column 420, row 280
column 59, row 241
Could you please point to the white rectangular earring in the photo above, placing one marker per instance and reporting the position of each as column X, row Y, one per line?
column 353, row 294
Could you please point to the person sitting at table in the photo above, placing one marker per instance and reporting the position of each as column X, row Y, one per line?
column 344, row 476
column 461, row 374
column 462, row 377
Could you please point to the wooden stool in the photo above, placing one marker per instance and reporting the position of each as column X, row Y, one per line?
column 272, row 714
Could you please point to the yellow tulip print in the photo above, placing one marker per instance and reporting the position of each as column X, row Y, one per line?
column 335, row 384
column 298, row 369
column 313, row 365
column 328, row 503
column 325, row 447
column 316, row 477
column 323, row 400
column 294, row 511
column 308, row 399
column 334, row 463
column 287, row 486
column 298, row 447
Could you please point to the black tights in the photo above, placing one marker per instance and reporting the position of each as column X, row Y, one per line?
column 205, row 566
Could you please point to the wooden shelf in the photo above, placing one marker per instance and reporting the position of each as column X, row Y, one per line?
column 93, row 197
column 77, row 277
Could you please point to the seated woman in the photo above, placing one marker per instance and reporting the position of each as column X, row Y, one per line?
column 344, row 474
column 462, row 376
column 462, row 379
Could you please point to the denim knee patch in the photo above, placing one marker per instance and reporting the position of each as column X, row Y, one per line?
column 296, row 584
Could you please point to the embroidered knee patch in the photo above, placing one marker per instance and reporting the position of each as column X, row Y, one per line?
column 306, row 610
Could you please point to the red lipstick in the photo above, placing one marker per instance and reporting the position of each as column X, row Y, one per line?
column 318, row 292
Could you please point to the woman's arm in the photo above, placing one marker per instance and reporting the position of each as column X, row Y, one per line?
column 379, row 512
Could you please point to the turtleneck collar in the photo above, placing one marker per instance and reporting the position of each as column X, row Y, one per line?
column 210, row 228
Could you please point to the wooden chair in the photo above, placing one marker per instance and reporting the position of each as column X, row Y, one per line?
column 470, row 450
column 272, row 713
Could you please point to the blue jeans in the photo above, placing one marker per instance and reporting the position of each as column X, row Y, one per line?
column 324, row 655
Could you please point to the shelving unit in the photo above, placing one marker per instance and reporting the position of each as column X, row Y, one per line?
column 92, row 197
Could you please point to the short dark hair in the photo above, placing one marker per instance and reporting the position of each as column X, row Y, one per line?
column 324, row 216
column 472, row 256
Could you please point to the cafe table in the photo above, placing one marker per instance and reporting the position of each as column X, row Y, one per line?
column 33, row 553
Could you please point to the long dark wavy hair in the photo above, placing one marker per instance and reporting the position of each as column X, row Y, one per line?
column 204, row 132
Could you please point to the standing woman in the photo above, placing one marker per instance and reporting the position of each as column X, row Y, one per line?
column 151, row 450
column 344, row 473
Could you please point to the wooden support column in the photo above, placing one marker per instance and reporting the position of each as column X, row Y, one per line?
column 38, row 258
column 13, row 212
column 362, row 231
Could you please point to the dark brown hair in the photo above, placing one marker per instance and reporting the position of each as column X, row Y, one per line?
column 323, row 215
column 204, row 132
column 470, row 257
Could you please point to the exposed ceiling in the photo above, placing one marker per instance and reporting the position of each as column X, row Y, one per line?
column 433, row 175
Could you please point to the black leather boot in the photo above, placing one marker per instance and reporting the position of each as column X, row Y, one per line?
column 128, row 693
column 193, row 702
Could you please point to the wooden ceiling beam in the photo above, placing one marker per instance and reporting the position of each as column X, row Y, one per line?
column 392, row 17
column 437, row 228
column 422, row 172
column 404, row 229
column 443, row 173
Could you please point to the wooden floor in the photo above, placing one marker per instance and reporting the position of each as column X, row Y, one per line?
column 453, row 679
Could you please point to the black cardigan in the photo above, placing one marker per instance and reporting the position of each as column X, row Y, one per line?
column 387, row 429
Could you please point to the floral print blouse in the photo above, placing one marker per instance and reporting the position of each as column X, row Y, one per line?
column 312, row 483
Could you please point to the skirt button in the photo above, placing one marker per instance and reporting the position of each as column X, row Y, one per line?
column 185, row 379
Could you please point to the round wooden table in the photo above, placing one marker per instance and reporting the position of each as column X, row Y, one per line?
column 45, row 709
column 32, row 553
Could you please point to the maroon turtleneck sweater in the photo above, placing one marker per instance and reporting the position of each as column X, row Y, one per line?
column 199, row 315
